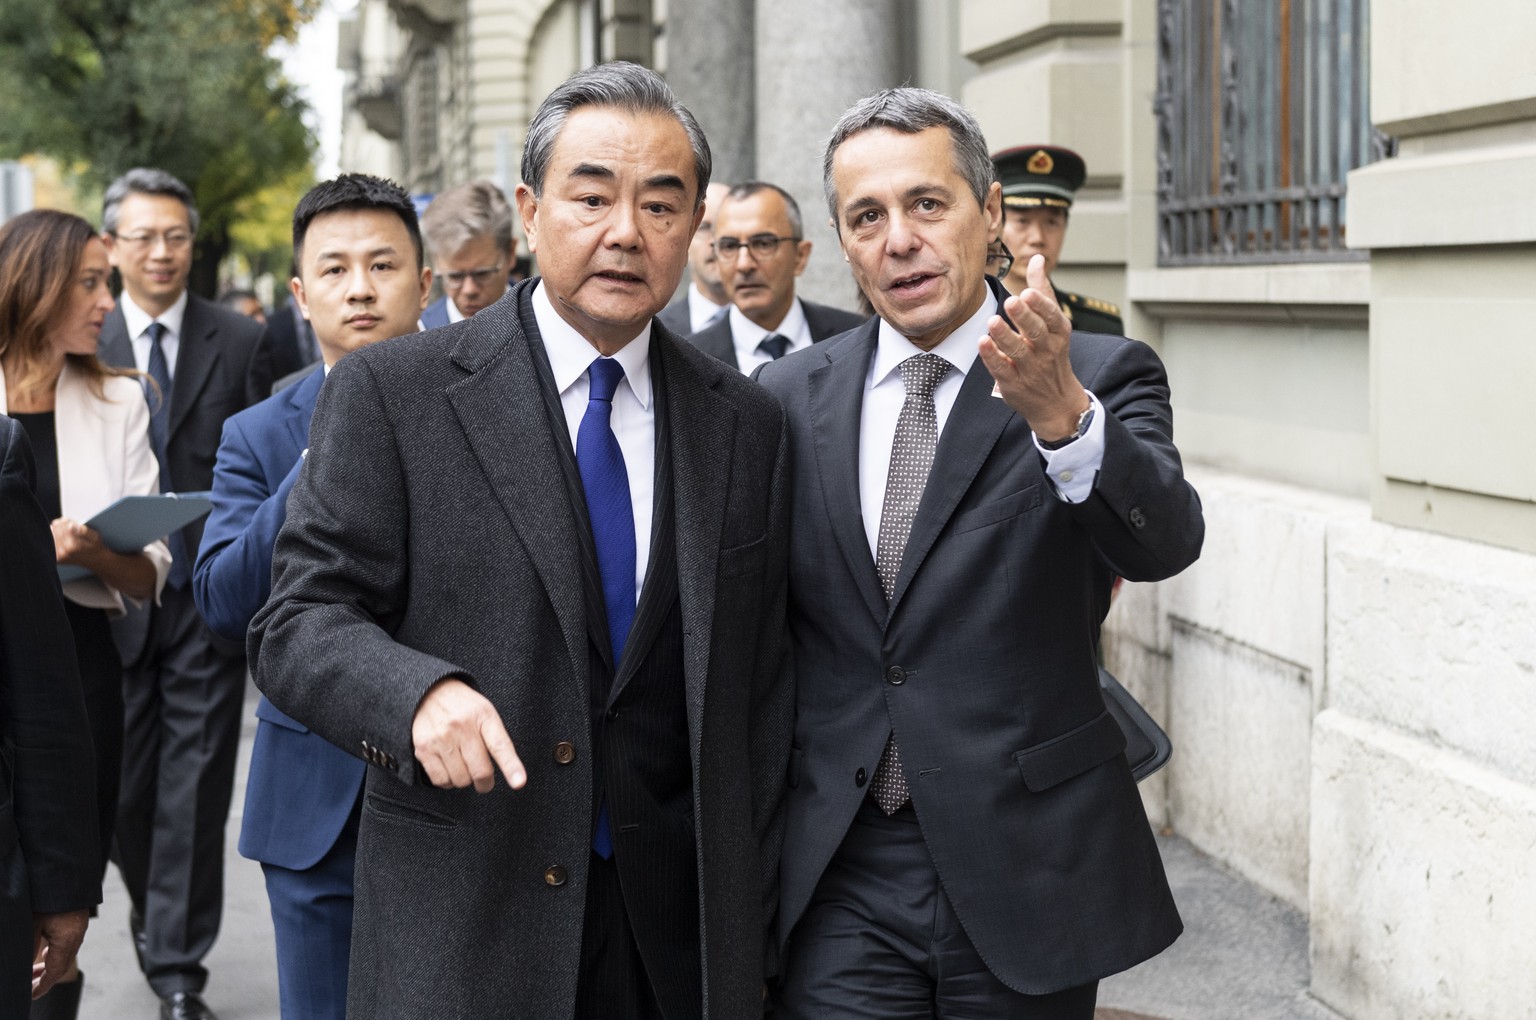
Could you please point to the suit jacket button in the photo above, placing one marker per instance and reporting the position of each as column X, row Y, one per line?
column 611, row 714
column 1138, row 519
column 565, row 752
column 554, row 875
column 859, row 778
column 896, row 675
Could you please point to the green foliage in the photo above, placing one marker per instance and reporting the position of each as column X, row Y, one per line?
column 184, row 85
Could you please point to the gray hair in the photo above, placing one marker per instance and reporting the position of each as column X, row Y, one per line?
column 618, row 84
column 746, row 189
column 143, row 180
column 910, row 110
column 466, row 212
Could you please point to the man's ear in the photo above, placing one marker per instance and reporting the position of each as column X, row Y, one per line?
column 296, row 288
column 426, row 285
column 802, row 256
column 110, row 243
column 527, row 211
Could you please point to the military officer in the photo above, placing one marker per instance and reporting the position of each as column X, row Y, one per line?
column 1039, row 183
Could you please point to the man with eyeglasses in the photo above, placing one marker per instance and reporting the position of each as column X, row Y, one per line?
column 760, row 251
column 705, row 300
column 183, row 687
column 469, row 232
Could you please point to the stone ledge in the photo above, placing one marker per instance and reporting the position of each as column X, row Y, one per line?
column 1468, row 197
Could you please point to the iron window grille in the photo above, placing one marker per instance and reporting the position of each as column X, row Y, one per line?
column 1262, row 108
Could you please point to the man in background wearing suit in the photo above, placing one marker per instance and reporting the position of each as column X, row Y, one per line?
column 183, row 687
column 705, row 299
column 469, row 233
column 361, row 280
column 551, row 541
column 761, row 250
column 50, row 861
column 965, row 837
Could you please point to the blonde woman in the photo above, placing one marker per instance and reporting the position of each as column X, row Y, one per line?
column 89, row 430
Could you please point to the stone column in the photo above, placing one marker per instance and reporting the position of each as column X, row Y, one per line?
column 709, row 65
column 814, row 60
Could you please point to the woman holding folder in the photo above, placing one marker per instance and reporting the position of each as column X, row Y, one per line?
column 89, row 429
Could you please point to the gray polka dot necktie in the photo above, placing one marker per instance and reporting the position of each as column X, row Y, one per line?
column 912, row 449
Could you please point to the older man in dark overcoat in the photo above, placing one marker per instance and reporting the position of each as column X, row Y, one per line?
column 550, row 542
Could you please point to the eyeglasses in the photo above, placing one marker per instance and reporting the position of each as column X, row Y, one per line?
column 762, row 246
column 999, row 259
column 175, row 240
column 455, row 278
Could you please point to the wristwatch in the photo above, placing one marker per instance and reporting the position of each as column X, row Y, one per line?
column 1083, row 421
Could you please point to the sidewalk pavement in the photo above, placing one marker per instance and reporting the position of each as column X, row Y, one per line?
column 1243, row 954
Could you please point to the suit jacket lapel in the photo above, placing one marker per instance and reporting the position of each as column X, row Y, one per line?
column 716, row 340
column 702, row 429
column 194, row 361
column 495, row 406
column 836, row 400
column 975, row 423
column 301, row 406
column 115, row 348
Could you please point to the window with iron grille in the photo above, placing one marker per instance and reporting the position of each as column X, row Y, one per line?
column 1263, row 108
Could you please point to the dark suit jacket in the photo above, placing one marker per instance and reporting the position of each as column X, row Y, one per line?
column 301, row 789
column 984, row 660
column 430, row 534
column 435, row 314
column 290, row 351
column 675, row 316
column 824, row 321
column 222, row 366
column 47, row 770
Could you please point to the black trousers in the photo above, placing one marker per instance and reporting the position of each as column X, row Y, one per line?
column 101, row 682
column 880, row 941
column 612, row 983
column 183, row 700
column 15, row 932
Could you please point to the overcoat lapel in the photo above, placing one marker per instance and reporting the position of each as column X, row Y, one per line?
column 836, row 400
column 194, row 361
column 702, row 428
column 494, row 405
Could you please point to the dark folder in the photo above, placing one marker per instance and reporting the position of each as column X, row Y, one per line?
column 1147, row 747
column 135, row 521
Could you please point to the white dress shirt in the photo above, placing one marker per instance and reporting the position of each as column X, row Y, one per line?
column 746, row 335
column 454, row 315
column 138, row 320
column 1072, row 469
column 634, row 414
column 700, row 308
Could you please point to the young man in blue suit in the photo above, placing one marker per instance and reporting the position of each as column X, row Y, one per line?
column 358, row 250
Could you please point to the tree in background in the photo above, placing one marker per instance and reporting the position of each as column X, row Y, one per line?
column 184, row 85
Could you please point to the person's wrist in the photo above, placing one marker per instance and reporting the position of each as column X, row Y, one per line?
column 1061, row 431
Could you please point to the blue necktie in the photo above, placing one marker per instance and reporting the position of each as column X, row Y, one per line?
column 159, row 438
column 606, row 484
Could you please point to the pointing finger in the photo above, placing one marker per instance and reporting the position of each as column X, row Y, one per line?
column 499, row 743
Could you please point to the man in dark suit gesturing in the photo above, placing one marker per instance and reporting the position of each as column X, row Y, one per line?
column 964, row 835
column 761, row 250
column 183, row 687
column 551, row 541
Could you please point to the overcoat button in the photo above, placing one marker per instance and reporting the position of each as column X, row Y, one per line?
column 859, row 778
column 1138, row 519
column 554, row 875
column 565, row 752
column 896, row 675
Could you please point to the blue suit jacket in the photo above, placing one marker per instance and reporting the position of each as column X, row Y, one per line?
column 435, row 314
column 301, row 789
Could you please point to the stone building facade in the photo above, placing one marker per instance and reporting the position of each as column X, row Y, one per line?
column 1348, row 316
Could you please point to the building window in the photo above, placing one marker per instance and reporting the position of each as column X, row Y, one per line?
column 1263, row 108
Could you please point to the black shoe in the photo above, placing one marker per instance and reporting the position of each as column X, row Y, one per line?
column 136, row 929
column 185, row 1006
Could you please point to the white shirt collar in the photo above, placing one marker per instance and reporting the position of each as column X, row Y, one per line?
column 454, row 315
column 571, row 354
column 959, row 348
column 137, row 319
column 701, row 308
column 750, row 334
